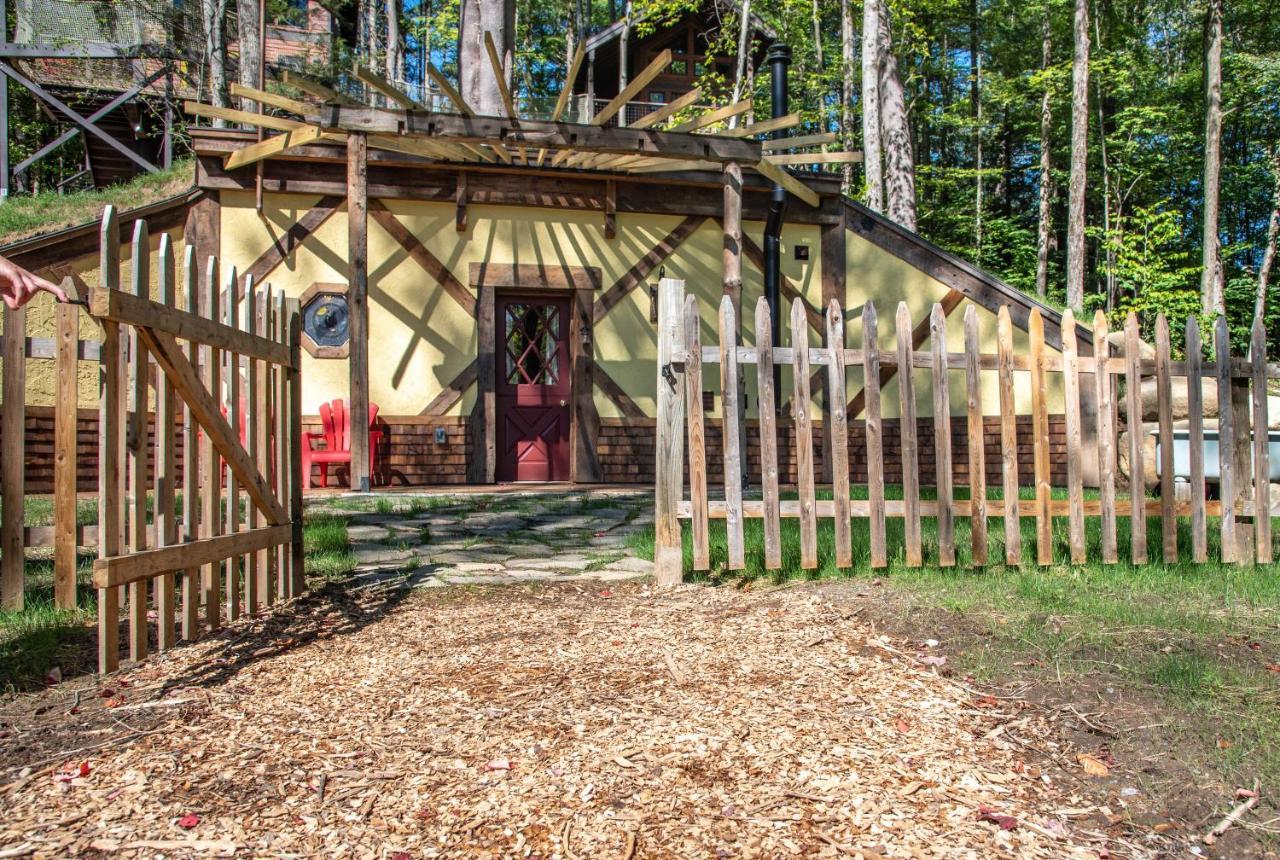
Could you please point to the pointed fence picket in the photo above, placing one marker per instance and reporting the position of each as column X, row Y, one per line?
column 1099, row 377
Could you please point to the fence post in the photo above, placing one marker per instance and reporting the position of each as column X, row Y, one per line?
column 13, row 432
column 668, row 555
column 64, row 454
column 110, row 445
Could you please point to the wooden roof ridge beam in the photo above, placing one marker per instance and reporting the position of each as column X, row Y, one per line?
column 450, row 91
column 712, row 117
column 377, row 82
column 312, row 87
column 787, row 181
column 274, row 146
column 800, row 141
column 765, row 126
column 816, row 158
column 668, row 110
column 271, row 99
column 500, row 76
column 639, row 82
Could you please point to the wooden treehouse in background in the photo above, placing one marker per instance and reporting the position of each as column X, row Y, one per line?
column 113, row 72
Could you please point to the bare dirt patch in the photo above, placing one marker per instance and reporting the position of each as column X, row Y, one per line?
column 575, row 721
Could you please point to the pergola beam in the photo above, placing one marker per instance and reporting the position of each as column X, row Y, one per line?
column 450, row 91
column 712, row 117
column 379, row 84
column 500, row 76
column 668, row 110
column 315, row 88
column 639, row 82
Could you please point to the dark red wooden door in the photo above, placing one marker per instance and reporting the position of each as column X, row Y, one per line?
column 534, row 388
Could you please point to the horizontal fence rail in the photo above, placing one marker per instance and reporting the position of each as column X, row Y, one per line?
column 1091, row 388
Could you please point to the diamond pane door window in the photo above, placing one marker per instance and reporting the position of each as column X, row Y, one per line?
column 533, row 390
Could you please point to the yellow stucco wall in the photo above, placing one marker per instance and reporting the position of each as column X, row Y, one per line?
column 420, row 338
column 41, row 382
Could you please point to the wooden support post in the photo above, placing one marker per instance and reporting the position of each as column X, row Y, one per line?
column 668, row 550
column 13, row 434
column 66, row 369
column 358, row 296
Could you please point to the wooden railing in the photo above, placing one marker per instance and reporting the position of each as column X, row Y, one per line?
column 234, row 543
column 1243, row 510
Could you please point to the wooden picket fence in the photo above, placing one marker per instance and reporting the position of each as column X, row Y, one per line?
column 66, row 350
column 1243, row 463
column 233, row 543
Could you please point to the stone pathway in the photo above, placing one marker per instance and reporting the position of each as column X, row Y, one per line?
column 431, row 541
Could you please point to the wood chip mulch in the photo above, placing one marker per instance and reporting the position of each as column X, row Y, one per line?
column 577, row 721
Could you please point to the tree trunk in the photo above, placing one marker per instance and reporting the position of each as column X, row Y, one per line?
column 624, row 45
column 895, row 129
column 479, row 87
column 1211, row 295
column 1079, row 158
column 740, row 73
column 817, row 32
column 846, row 92
column 871, row 156
column 250, row 47
column 213, row 18
column 395, row 57
column 975, row 109
column 1273, row 228
column 1045, row 227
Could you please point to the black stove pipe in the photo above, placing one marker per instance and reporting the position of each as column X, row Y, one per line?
column 779, row 57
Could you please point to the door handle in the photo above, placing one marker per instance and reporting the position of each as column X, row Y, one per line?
column 563, row 403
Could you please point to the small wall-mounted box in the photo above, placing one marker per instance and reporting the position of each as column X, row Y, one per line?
column 441, row 436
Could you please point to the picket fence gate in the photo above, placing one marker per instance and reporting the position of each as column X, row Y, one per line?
column 1243, row 448
column 238, row 545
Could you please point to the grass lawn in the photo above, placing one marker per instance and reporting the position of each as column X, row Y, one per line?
column 42, row 636
column 1195, row 649
column 24, row 216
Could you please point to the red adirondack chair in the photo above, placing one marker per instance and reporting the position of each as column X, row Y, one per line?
column 336, row 419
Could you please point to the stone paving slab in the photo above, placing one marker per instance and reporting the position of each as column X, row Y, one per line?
column 432, row 541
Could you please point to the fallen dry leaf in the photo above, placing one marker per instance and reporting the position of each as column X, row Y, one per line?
column 1093, row 765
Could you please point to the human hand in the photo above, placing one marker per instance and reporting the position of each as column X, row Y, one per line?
column 18, row 286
